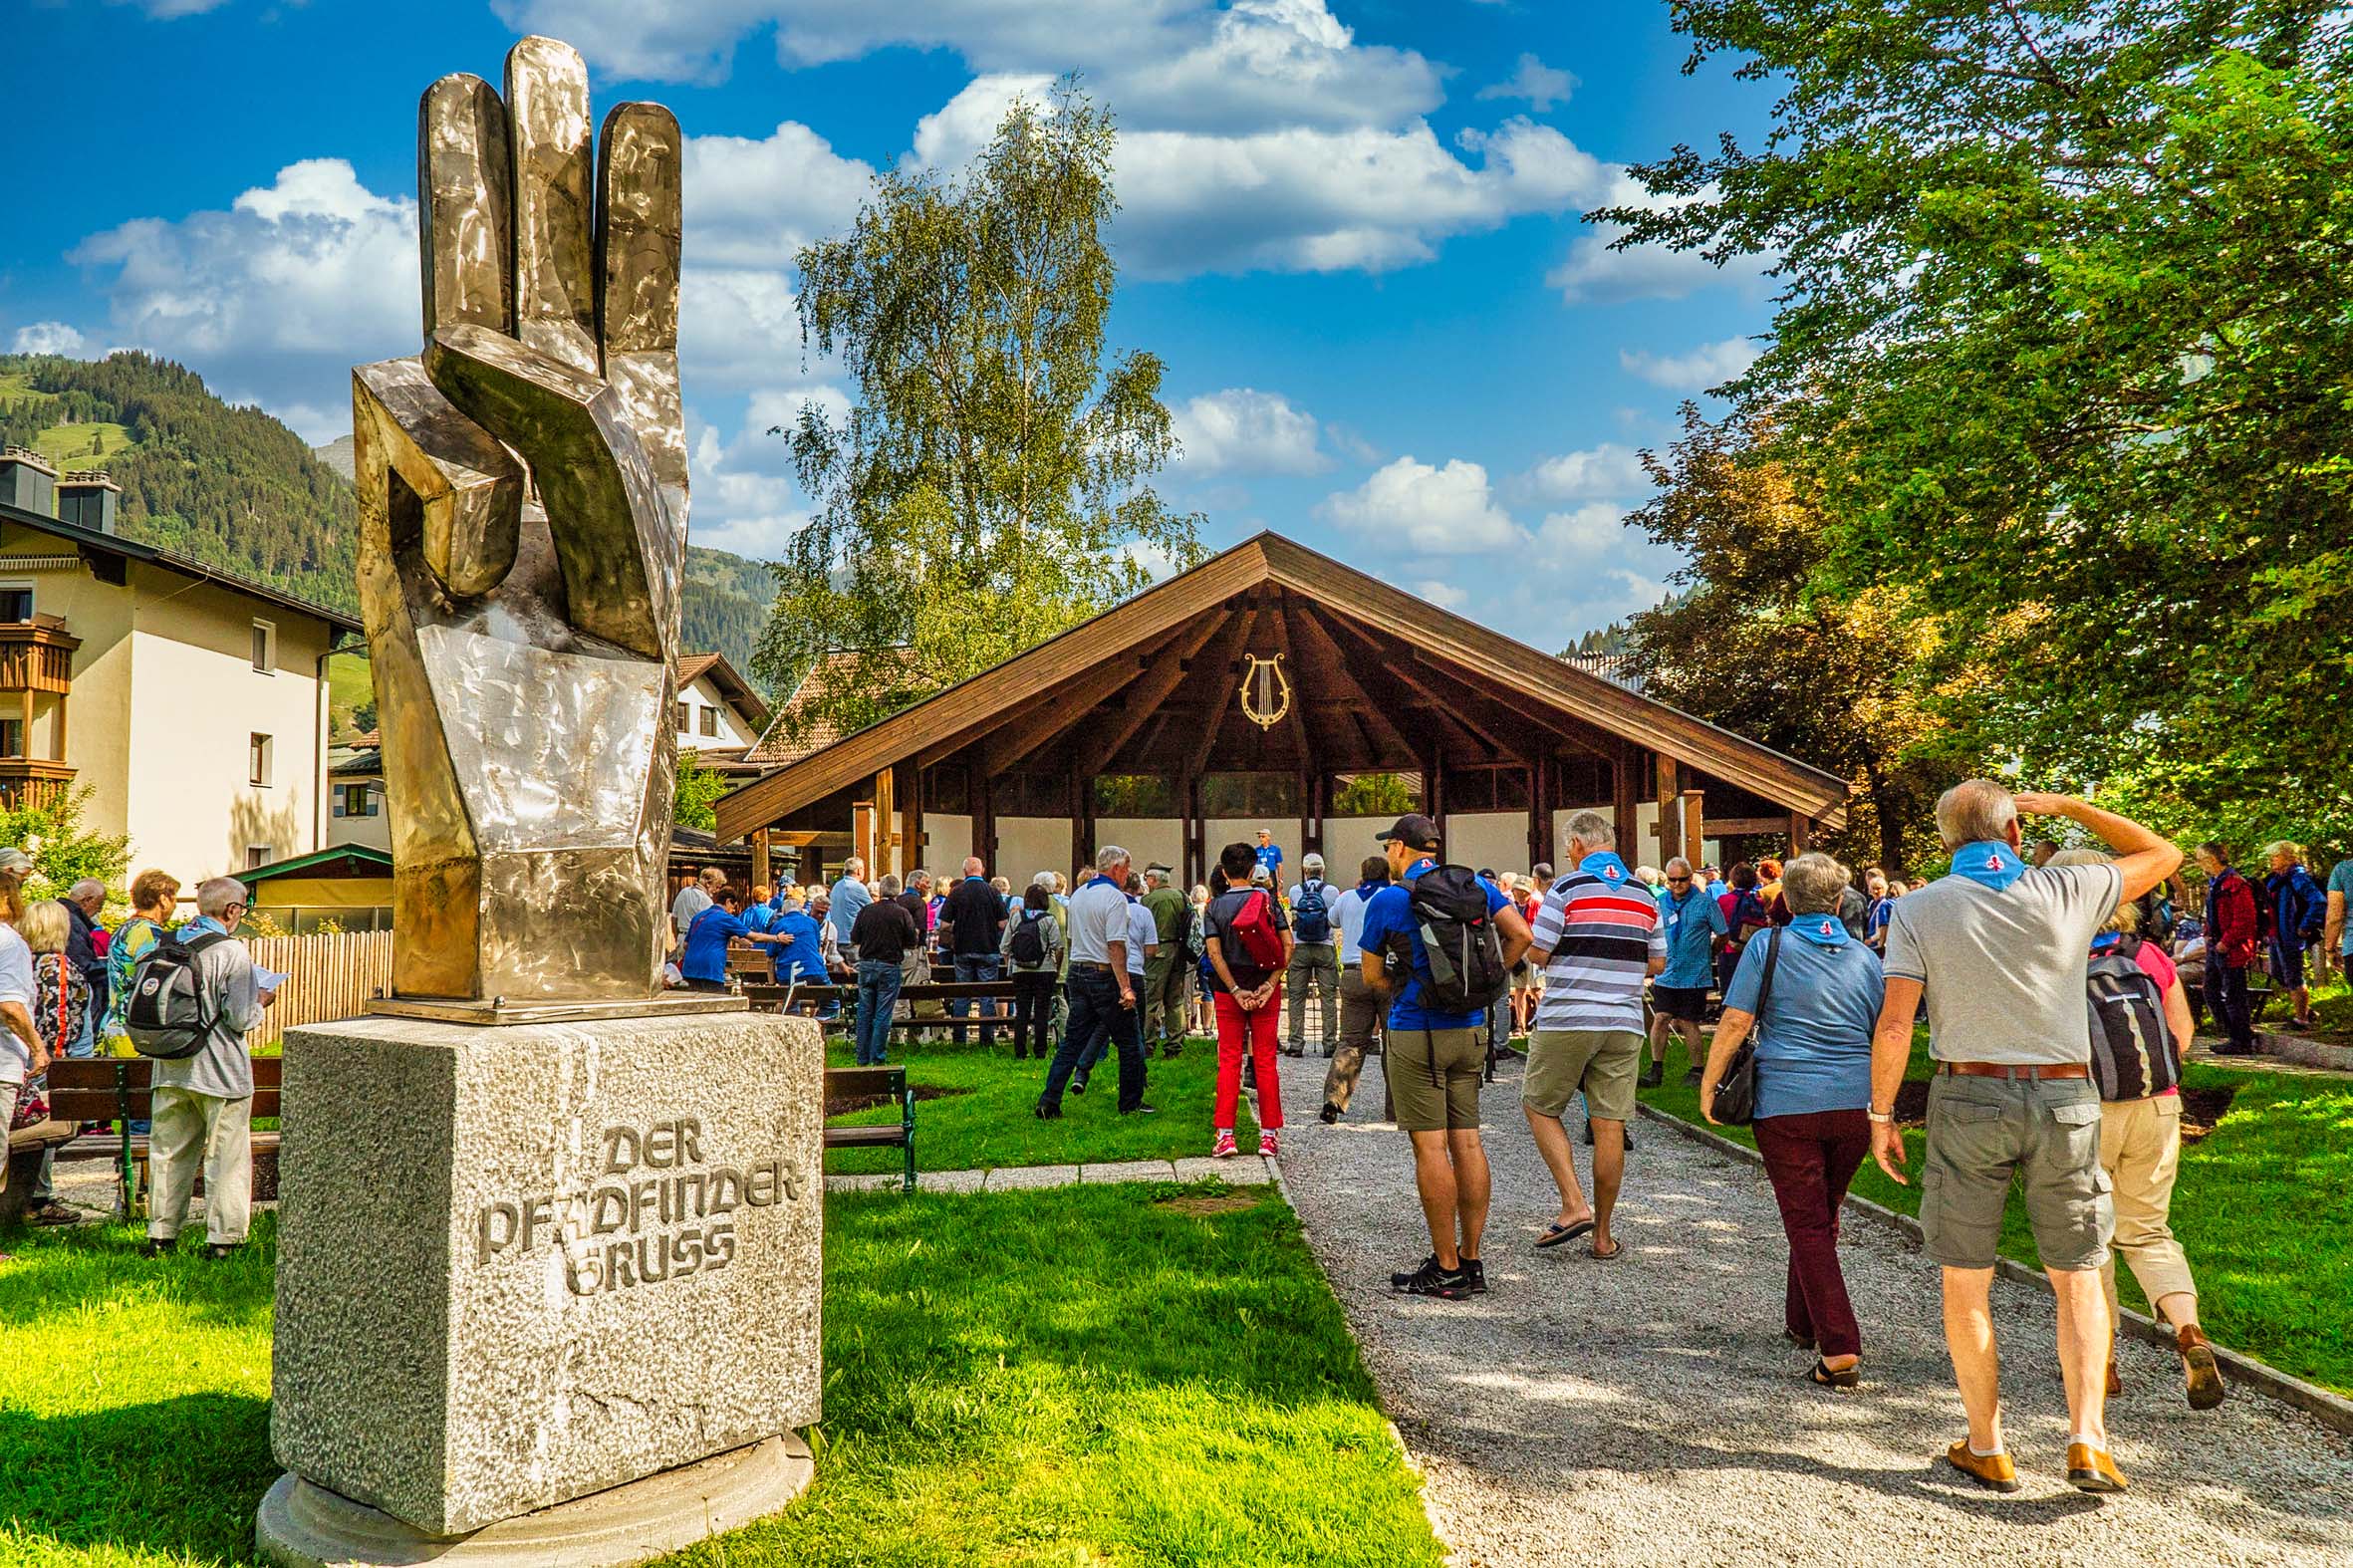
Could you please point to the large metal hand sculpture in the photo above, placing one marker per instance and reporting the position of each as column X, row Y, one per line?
column 523, row 525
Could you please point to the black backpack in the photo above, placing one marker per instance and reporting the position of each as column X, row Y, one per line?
column 1028, row 946
column 1449, row 908
column 1311, row 913
column 2131, row 1049
column 166, row 1017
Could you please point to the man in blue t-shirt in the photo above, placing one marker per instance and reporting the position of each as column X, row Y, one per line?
column 705, row 963
column 1434, row 1061
column 2338, row 933
column 1694, row 923
column 1270, row 858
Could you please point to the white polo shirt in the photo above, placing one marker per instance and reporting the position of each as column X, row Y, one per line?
column 1347, row 918
column 1098, row 918
column 1143, row 932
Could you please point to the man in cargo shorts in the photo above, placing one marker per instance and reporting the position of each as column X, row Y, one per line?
column 1435, row 1062
column 2001, row 948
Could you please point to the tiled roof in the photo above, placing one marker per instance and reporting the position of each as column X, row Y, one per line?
column 778, row 746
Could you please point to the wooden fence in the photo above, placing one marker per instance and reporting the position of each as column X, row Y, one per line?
column 327, row 979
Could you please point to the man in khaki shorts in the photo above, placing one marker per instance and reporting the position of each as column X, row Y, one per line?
column 1598, row 938
column 1434, row 1061
column 2001, row 950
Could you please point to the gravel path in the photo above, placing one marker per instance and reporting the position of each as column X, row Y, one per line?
column 1650, row 1411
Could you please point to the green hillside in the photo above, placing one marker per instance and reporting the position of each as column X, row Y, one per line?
column 234, row 487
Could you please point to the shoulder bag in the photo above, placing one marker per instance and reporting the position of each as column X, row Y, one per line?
column 1734, row 1104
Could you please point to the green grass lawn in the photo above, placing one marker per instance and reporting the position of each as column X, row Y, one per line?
column 985, row 1119
column 1102, row 1374
column 68, row 446
column 2263, row 1206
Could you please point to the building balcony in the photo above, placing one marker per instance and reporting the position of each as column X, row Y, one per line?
column 33, row 781
column 37, row 656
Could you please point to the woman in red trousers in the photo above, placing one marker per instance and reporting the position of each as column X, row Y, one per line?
column 1247, row 949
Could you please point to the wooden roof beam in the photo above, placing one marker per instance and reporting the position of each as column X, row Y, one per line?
column 1383, row 686
column 1060, row 711
column 1370, row 713
column 1220, row 664
column 1167, row 674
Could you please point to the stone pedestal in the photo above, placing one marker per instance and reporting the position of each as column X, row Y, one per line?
column 521, row 1265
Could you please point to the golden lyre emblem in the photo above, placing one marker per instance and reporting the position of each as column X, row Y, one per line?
column 1266, row 691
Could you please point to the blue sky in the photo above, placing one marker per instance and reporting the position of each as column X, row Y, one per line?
column 1351, row 228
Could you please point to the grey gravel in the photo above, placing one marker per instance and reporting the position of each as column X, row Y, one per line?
column 1647, row 1411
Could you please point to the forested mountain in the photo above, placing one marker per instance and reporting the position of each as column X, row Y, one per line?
column 234, row 487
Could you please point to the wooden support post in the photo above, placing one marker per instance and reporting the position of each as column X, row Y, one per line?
column 1695, row 825
column 1622, row 799
column 1082, row 820
column 910, row 817
column 1197, row 854
column 884, row 859
column 1306, row 816
column 862, row 833
column 762, row 873
column 1670, row 841
column 1799, row 830
column 979, row 792
column 1433, row 789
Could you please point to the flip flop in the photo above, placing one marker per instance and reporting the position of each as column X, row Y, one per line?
column 1555, row 1235
column 1617, row 1250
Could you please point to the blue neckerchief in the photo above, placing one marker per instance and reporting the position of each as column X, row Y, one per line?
column 1366, row 890
column 1823, row 930
column 1419, row 867
column 201, row 924
column 2106, row 942
column 1099, row 880
column 1989, row 862
column 1606, row 864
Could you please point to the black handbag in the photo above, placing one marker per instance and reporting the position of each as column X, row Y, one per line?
column 1734, row 1104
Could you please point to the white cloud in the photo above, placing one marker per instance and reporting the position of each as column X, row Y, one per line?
column 1413, row 506
column 1587, row 531
column 1536, row 83
column 1443, row 595
column 1164, row 63
column 48, row 337
column 744, row 497
column 752, row 203
column 1593, row 271
column 1595, row 473
column 173, row 10
column 1244, row 431
column 1710, row 364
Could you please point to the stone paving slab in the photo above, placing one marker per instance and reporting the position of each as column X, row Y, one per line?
column 1129, row 1171
column 949, row 1180
column 1006, row 1178
column 1241, row 1170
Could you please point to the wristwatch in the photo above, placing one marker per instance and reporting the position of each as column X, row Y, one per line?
column 1888, row 1116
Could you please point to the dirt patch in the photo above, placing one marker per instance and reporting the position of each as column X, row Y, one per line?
column 849, row 1105
column 1210, row 1203
column 2201, row 1109
column 1912, row 1103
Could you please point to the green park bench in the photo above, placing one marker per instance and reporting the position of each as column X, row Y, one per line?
column 885, row 1083
column 778, row 998
column 121, row 1089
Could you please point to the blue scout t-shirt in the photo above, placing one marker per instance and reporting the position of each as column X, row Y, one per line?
column 1271, row 859
column 1692, row 924
column 706, row 943
column 2340, row 880
column 803, row 957
column 1389, row 911
column 1814, row 1053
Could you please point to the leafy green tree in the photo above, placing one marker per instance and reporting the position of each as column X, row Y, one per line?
column 1841, row 679
column 63, row 850
column 2061, row 338
column 992, row 484
column 700, row 784
column 1375, row 795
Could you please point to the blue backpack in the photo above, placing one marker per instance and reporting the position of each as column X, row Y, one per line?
column 1311, row 913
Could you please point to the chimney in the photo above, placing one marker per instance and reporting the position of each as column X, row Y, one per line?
column 85, row 498
column 27, row 482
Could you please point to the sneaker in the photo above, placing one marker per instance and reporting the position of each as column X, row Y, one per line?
column 1225, row 1147
column 1432, row 1280
column 1267, row 1145
column 1142, row 1109
column 1477, row 1273
column 52, row 1214
column 1078, row 1086
column 1330, row 1113
column 1652, row 1076
column 1047, row 1113
column 152, row 1248
column 219, row 1251
column 1690, row 1080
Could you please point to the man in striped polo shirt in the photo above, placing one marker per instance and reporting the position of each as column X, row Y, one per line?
column 1598, row 938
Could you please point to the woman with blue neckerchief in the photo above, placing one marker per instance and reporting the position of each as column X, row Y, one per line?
column 1813, row 1090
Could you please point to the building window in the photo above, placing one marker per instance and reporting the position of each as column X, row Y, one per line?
column 259, row 855
column 265, row 647
column 16, row 601
column 257, row 760
column 686, row 719
column 12, row 737
column 354, row 800
column 710, row 721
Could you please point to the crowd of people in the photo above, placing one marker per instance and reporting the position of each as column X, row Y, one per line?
column 67, row 986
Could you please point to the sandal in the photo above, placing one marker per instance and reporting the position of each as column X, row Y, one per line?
column 1555, row 1235
column 1617, row 1249
column 1829, row 1379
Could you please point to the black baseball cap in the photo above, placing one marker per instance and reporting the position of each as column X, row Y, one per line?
column 1416, row 831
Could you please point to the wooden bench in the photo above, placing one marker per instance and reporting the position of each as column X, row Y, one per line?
column 776, row 998
column 26, row 1145
column 121, row 1089
column 889, row 1083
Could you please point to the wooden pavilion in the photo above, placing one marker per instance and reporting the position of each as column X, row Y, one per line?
column 1269, row 686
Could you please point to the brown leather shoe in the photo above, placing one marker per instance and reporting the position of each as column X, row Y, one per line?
column 2115, row 1383
column 1987, row 1469
column 2090, row 1470
column 2198, row 1359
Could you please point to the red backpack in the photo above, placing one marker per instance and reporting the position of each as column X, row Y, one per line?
column 1254, row 927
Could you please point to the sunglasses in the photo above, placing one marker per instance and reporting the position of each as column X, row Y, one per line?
column 1679, row 879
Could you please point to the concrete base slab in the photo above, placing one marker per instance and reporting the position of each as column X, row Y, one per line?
column 1241, row 1170
column 950, row 1181
column 1130, row 1171
column 1007, row 1178
column 305, row 1526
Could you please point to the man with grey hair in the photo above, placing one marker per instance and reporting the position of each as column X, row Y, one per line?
column 1104, row 1003
column 204, row 1104
column 1694, row 923
column 1165, row 970
column 82, row 901
column 850, row 896
column 693, row 899
column 2001, row 949
column 1315, row 959
column 1598, row 938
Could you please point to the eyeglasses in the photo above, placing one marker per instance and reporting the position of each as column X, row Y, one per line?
column 1679, row 879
